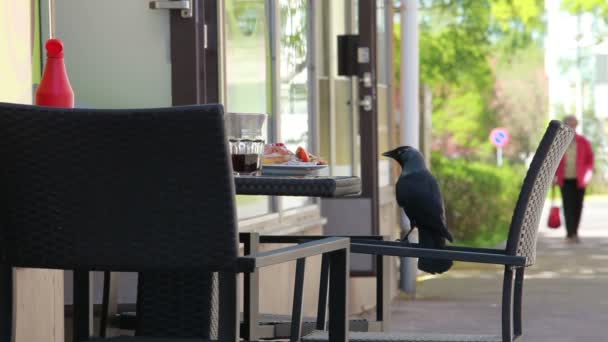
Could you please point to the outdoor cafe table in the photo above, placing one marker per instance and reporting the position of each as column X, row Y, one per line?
column 310, row 186
column 39, row 293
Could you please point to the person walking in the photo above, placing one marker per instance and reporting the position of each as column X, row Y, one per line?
column 573, row 175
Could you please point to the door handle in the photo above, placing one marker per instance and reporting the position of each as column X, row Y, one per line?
column 366, row 103
column 184, row 5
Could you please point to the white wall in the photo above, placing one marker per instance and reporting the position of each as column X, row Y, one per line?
column 15, row 52
column 117, row 52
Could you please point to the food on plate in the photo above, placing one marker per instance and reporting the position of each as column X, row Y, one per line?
column 278, row 153
column 302, row 154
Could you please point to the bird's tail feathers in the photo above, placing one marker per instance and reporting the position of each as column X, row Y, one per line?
column 430, row 265
column 434, row 266
column 449, row 235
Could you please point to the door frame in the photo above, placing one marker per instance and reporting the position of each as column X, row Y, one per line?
column 368, row 120
column 195, row 57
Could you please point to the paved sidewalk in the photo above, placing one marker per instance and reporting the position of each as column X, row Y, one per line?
column 565, row 293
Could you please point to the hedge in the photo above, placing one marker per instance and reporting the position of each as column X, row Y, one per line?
column 479, row 198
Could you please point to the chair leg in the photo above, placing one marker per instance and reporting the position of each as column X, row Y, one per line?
column 298, row 301
column 379, row 287
column 251, row 282
column 228, row 311
column 507, row 305
column 338, row 296
column 517, row 301
column 83, row 313
column 109, row 303
column 323, row 284
column 6, row 303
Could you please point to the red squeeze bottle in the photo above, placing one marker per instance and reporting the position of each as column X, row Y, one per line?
column 55, row 89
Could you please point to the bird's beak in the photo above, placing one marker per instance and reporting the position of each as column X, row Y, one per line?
column 388, row 154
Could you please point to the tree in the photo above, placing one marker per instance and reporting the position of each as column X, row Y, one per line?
column 521, row 99
column 458, row 39
column 599, row 7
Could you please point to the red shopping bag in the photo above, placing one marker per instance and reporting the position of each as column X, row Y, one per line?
column 554, row 217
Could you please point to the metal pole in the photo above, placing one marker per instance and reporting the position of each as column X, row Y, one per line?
column 499, row 156
column 410, row 113
column 274, row 37
column 410, row 129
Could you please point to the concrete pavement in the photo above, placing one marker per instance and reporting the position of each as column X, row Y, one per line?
column 565, row 293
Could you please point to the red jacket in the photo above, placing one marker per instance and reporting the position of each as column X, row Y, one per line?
column 584, row 163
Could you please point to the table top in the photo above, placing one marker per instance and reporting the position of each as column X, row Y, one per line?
column 309, row 186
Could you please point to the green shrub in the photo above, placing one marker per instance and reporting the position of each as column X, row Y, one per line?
column 479, row 198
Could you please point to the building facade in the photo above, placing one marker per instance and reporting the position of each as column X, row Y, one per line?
column 257, row 56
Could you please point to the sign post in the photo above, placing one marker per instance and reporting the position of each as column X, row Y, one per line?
column 499, row 137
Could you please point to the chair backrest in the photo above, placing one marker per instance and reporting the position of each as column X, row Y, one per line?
column 540, row 175
column 124, row 190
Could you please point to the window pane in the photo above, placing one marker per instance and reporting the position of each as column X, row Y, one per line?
column 381, row 43
column 336, row 94
column 294, row 74
column 294, row 82
column 383, row 34
column 246, row 81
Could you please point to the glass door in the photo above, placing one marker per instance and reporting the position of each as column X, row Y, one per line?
column 124, row 54
column 354, row 115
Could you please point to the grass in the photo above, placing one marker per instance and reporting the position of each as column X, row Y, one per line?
column 487, row 239
column 244, row 199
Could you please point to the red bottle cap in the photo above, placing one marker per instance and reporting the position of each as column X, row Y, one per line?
column 54, row 48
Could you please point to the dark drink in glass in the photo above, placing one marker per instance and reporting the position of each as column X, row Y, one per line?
column 246, row 155
column 246, row 163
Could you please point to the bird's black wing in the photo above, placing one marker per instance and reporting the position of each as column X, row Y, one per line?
column 419, row 195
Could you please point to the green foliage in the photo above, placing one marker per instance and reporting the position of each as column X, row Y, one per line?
column 458, row 42
column 479, row 198
column 521, row 99
column 593, row 6
column 597, row 8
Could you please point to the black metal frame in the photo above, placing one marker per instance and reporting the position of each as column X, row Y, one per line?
column 467, row 254
column 512, row 281
column 336, row 250
column 333, row 249
column 251, row 328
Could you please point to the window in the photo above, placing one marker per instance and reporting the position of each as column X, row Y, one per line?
column 246, row 74
column 293, row 73
column 249, row 80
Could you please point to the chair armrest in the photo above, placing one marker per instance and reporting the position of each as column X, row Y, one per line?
column 402, row 249
column 249, row 263
column 297, row 239
column 252, row 240
column 337, row 249
column 449, row 248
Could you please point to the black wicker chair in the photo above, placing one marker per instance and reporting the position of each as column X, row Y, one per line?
column 520, row 251
column 254, row 325
column 147, row 191
column 268, row 326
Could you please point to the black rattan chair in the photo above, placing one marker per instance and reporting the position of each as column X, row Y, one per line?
column 254, row 325
column 519, row 253
column 262, row 325
column 147, row 191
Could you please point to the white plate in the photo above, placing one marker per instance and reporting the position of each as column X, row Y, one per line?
column 292, row 170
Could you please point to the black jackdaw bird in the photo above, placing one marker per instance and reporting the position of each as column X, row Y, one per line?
column 419, row 196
